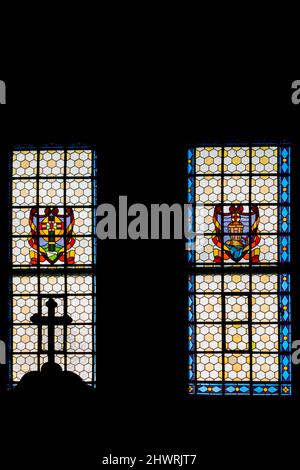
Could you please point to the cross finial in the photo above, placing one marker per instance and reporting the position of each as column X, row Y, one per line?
column 51, row 321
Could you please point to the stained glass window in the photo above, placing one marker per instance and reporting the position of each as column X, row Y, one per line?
column 239, row 309
column 53, row 255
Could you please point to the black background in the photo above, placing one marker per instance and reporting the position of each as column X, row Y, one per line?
column 142, row 126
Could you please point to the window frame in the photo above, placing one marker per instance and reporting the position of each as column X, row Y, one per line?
column 64, row 269
column 282, row 268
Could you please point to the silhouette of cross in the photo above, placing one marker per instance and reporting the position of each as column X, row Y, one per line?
column 51, row 321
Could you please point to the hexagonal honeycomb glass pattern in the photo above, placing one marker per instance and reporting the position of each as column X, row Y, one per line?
column 209, row 367
column 265, row 308
column 264, row 159
column 208, row 283
column 269, row 249
column 208, row 308
column 265, row 338
column 52, row 284
column 231, row 176
column 209, row 160
column 236, row 160
column 25, row 285
column 237, row 367
column 236, row 190
column 268, row 219
column 237, row 337
column 265, row 368
column 20, row 225
column 83, row 221
column 24, row 192
column 264, row 190
column 265, row 283
column 209, row 338
column 22, row 364
column 80, row 309
column 204, row 219
column 236, row 308
column 24, row 164
column 236, row 283
column 208, row 190
column 25, row 338
column 79, row 163
column 244, row 359
column 20, row 251
column 51, row 163
column 80, row 338
column 51, row 192
column 79, row 192
column 58, row 338
column 59, row 359
column 80, row 284
column 23, row 308
column 82, row 365
column 204, row 249
column 84, row 250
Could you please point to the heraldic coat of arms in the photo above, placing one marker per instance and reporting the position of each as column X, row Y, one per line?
column 240, row 232
column 52, row 236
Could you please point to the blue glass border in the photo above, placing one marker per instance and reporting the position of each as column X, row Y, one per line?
column 266, row 389
column 237, row 389
column 209, row 389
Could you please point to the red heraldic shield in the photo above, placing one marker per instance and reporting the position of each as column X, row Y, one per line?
column 52, row 236
column 237, row 235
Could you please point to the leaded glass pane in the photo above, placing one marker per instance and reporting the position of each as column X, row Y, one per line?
column 236, row 159
column 24, row 164
column 209, row 160
column 236, row 192
column 240, row 320
column 51, row 163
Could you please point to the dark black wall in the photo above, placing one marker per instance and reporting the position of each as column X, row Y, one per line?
column 142, row 129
